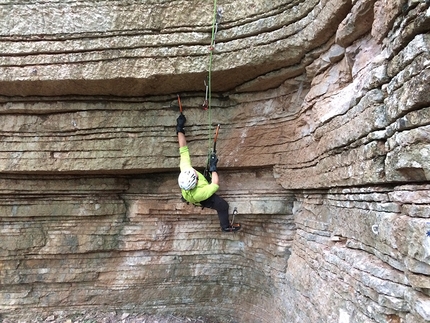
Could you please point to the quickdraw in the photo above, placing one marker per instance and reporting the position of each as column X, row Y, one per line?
column 217, row 20
column 205, row 104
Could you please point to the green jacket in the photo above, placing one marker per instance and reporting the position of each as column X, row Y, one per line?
column 203, row 190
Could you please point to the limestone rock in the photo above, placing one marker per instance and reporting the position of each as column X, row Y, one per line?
column 357, row 23
column 323, row 151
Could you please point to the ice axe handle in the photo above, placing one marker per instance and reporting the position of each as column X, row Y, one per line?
column 216, row 137
column 180, row 104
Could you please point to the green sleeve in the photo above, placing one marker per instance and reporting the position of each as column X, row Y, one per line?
column 206, row 192
column 185, row 162
column 204, row 189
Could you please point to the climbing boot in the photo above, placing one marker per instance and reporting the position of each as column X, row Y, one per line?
column 232, row 228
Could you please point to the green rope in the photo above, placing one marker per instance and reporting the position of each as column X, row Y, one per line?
column 212, row 48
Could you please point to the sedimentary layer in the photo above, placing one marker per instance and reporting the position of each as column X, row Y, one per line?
column 323, row 149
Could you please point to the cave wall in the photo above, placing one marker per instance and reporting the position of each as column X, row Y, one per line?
column 324, row 150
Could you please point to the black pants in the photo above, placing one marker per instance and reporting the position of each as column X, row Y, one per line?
column 221, row 206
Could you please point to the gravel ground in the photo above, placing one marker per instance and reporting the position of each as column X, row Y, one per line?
column 104, row 317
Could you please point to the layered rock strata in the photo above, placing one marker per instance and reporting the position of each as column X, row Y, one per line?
column 324, row 150
column 132, row 244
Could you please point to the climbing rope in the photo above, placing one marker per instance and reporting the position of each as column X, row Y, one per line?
column 207, row 103
column 208, row 99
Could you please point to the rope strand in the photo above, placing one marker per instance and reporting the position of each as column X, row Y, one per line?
column 212, row 48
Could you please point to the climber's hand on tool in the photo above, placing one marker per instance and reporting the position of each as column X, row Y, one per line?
column 180, row 124
column 213, row 160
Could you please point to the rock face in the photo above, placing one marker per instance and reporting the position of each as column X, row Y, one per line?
column 324, row 150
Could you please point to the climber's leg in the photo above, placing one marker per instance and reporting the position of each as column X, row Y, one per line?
column 221, row 206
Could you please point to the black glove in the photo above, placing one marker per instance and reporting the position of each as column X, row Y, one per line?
column 213, row 160
column 180, row 124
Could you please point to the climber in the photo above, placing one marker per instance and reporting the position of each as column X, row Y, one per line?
column 195, row 187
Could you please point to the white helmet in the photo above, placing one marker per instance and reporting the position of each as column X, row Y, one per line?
column 187, row 179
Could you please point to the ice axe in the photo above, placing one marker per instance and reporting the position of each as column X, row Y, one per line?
column 206, row 172
column 172, row 104
column 215, row 138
